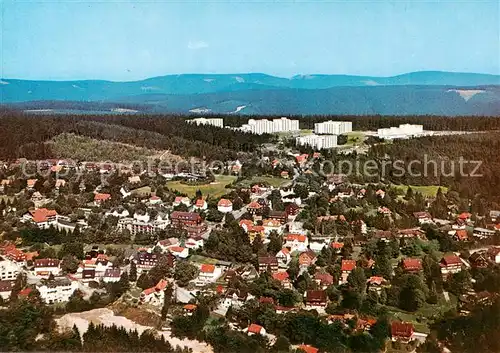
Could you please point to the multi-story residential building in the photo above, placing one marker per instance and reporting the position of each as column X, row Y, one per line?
column 58, row 290
column 191, row 222
column 450, row 264
column 42, row 217
column 317, row 142
column 266, row 262
column 333, row 127
column 145, row 261
column 154, row 295
column 264, row 126
column 112, row 275
column 8, row 269
column 135, row 226
column 346, row 268
column 296, row 242
column 45, row 267
column 219, row 122
column 208, row 274
column 403, row 131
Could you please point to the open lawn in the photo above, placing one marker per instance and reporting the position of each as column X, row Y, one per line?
column 269, row 180
column 199, row 259
column 423, row 317
column 215, row 189
column 425, row 190
column 355, row 138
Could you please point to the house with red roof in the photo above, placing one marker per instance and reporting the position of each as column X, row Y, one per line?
column 376, row 283
column 411, row 265
column 346, row 268
column 255, row 329
column 402, row 331
column 460, row 235
column 465, row 216
column 44, row 267
column 423, row 217
column 323, row 280
column 254, row 208
column 283, row 257
column 154, row 295
column 272, row 225
column 307, row 348
column 284, row 278
column 31, row 183
column 43, row 218
column 100, row 198
column 179, row 251
column 225, row 206
column 296, row 242
column 315, row 299
column 449, row 264
column 189, row 309
column 267, row 262
column 181, row 200
column 200, row 205
column 307, row 258
column 208, row 274
column 337, row 247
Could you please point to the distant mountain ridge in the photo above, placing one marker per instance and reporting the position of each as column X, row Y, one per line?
column 425, row 92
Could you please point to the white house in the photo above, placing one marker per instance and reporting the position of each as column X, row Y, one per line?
column 179, row 251
column 58, row 290
column 154, row 295
column 194, row 243
column 45, row 267
column 41, row 217
column 112, row 275
column 296, row 242
column 272, row 225
column 225, row 206
column 166, row 243
column 8, row 270
column 255, row 329
column 283, row 257
column 208, row 274
column 200, row 205
column 182, row 200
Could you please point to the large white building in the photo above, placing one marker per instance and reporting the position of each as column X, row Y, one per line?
column 264, row 126
column 219, row 122
column 333, row 127
column 8, row 270
column 400, row 132
column 58, row 290
column 317, row 142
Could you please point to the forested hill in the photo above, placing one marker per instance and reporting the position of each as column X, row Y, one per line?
column 437, row 93
column 26, row 135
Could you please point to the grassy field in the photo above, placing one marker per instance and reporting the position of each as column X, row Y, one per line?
column 426, row 190
column 425, row 315
column 355, row 138
column 199, row 259
column 270, row 180
column 215, row 189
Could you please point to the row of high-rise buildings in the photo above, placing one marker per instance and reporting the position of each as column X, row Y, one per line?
column 219, row 122
column 264, row 126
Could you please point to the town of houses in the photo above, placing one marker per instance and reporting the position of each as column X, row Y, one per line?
column 312, row 253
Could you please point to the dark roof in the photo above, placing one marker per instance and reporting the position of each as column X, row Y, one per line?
column 112, row 272
column 316, row 296
column 89, row 273
column 268, row 260
column 402, row 329
column 46, row 263
column 191, row 216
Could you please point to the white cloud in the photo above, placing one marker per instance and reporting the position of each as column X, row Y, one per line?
column 195, row 45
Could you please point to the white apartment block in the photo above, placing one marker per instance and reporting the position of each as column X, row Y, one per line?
column 317, row 142
column 8, row 270
column 264, row 126
column 400, row 132
column 333, row 127
column 219, row 122
column 58, row 290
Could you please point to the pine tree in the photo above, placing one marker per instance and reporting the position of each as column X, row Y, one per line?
column 132, row 275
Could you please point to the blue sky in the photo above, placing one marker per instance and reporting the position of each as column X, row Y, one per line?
column 130, row 40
